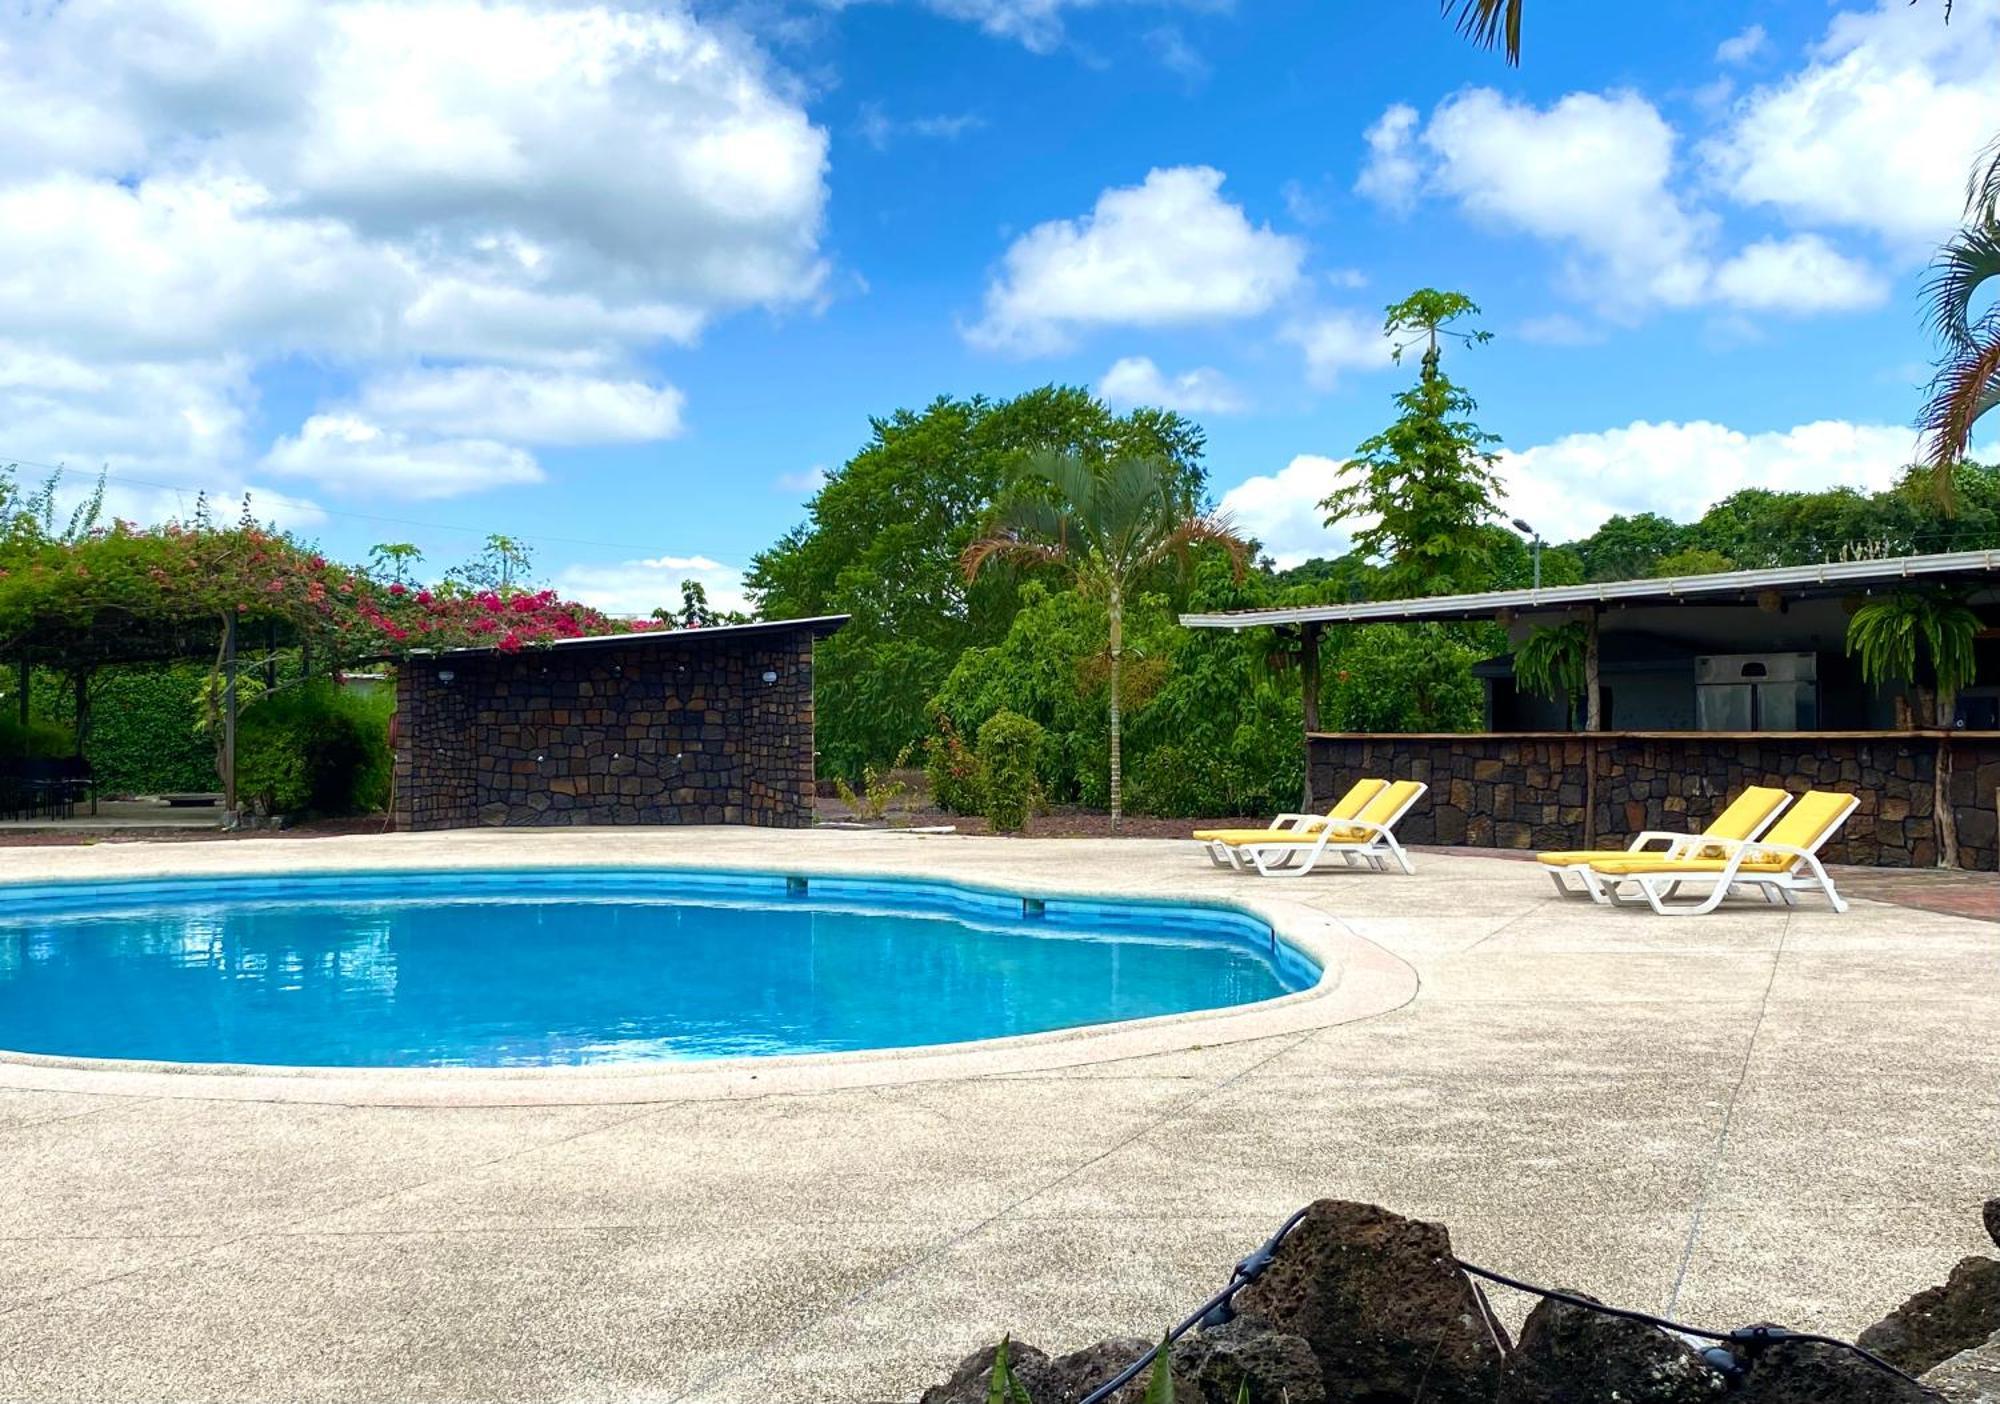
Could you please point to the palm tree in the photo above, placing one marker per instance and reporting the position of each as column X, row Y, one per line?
column 1967, row 383
column 1107, row 527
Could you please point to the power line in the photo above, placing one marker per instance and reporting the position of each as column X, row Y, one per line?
column 262, row 494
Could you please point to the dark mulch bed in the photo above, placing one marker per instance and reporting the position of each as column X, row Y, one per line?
column 75, row 838
column 1065, row 821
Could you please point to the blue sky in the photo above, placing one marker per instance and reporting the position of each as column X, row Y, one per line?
column 621, row 279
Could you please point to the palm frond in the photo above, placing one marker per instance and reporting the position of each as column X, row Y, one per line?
column 1073, row 484
column 1966, row 386
column 981, row 553
column 1486, row 22
column 1209, row 529
column 1982, row 187
column 1961, row 267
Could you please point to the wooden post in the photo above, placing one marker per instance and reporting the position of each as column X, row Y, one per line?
column 1943, row 817
column 1309, row 676
column 1593, row 708
column 1309, row 669
column 229, row 720
column 80, row 683
column 1589, row 791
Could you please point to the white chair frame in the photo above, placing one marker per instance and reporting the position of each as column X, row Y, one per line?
column 1806, row 874
column 1374, row 850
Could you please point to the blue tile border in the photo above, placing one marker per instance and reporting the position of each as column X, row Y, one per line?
column 1137, row 918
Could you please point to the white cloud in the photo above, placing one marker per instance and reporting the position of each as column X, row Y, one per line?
column 1568, row 488
column 524, row 406
column 1741, row 48
column 1282, row 511
column 880, row 130
column 1591, row 173
column 348, row 454
column 1559, row 329
column 1802, row 274
column 188, row 182
column 1337, row 342
column 1301, row 204
column 1392, row 172
column 1135, row 380
column 1175, row 54
column 1597, row 176
column 1877, row 130
column 1036, row 25
column 1170, row 250
column 634, row 589
column 805, row 484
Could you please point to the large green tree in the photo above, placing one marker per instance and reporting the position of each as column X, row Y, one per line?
column 1107, row 528
column 1425, row 486
column 883, row 538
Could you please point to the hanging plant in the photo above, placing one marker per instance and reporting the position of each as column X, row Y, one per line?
column 1550, row 661
column 1916, row 634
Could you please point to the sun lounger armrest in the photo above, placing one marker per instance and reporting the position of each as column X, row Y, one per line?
column 1292, row 821
column 1639, row 841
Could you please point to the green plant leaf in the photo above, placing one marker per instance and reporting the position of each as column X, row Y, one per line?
column 1160, row 1388
column 1002, row 1387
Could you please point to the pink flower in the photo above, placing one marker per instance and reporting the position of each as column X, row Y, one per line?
column 423, row 597
column 399, row 589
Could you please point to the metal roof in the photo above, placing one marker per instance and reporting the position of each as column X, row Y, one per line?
column 1827, row 577
column 820, row 626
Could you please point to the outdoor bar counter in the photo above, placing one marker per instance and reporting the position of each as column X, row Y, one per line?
column 1560, row 790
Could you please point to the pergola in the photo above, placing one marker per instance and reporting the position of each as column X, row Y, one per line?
column 124, row 598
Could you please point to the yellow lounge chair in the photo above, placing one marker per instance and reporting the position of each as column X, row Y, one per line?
column 1368, row 838
column 1781, row 863
column 1222, row 843
column 1747, row 816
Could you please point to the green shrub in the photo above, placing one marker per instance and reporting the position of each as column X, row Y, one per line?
column 1405, row 677
column 1009, row 745
column 952, row 770
column 316, row 748
column 38, row 739
column 143, row 734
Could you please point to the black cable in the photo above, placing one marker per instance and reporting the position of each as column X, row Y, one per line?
column 1247, row 1272
column 1750, row 1339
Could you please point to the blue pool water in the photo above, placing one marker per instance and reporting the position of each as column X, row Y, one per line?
column 504, row 969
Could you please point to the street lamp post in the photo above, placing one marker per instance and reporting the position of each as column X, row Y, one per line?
column 1536, row 537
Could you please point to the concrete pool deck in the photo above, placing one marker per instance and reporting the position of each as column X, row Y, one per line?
column 1756, row 1115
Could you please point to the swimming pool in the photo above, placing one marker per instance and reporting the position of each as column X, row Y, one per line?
column 588, row 966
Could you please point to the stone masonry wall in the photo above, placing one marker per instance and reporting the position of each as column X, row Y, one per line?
column 1533, row 792
column 668, row 731
column 1975, row 801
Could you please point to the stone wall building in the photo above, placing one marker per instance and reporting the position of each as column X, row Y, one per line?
column 1694, row 688
column 684, row 726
